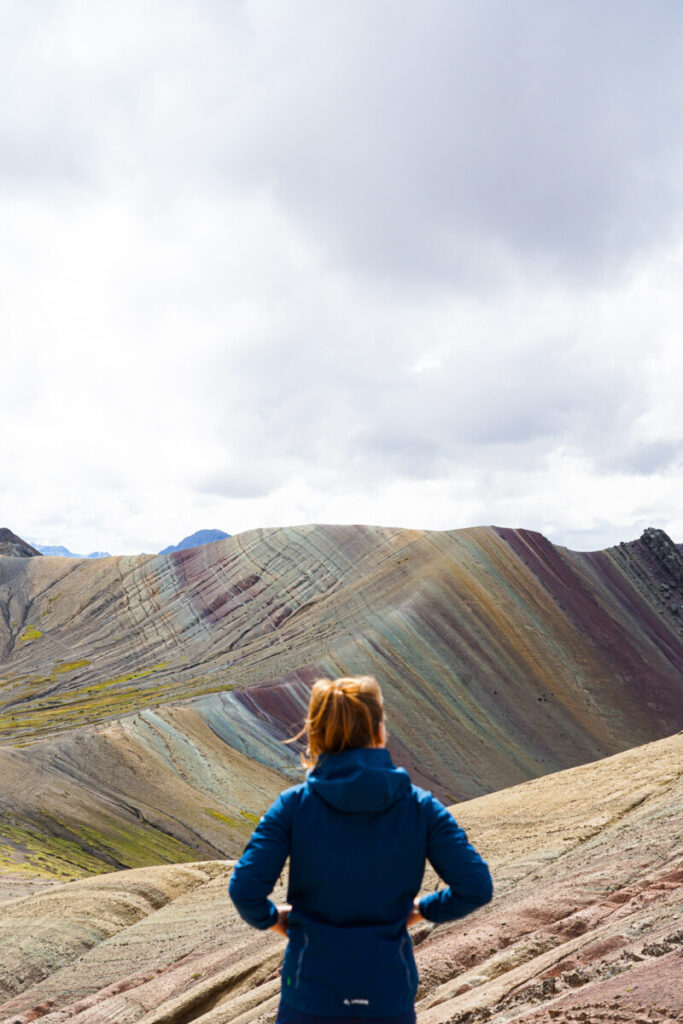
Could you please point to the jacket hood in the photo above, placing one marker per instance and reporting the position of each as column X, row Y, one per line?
column 358, row 781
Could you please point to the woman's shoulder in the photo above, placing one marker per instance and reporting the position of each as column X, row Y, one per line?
column 428, row 803
column 287, row 800
column 293, row 793
column 291, row 799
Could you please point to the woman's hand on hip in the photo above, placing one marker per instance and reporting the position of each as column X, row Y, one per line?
column 280, row 925
column 414, row 916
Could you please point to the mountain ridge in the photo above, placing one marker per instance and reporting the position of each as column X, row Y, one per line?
column 267, row 603
column 13, row 546
column 133, row 684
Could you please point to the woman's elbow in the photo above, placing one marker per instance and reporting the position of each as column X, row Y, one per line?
column 484, row 892
column 257, row 910
column 237, row 893
column 233, row 886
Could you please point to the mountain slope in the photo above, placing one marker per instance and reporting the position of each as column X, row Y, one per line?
column 492, row 638
column 500, row 623
column 585, row 923
column 136, row 691
column 151, row 788
column 14, row 546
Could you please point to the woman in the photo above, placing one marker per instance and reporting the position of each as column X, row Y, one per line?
column 357, row 834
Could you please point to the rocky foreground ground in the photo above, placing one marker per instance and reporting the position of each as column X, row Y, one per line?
column 586, row 922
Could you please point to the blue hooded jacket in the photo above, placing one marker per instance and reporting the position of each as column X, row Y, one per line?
column 358, row 834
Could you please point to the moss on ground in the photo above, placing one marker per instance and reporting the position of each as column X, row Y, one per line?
column 221, row 817
column 135, row 846
column 83, row 850
column 27, row 851
column 69, row 666
column 253, row 818
column 30, row 633
column 57, row 712
column 248, row 820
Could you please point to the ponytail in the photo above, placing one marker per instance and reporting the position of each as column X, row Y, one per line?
column 342, row 715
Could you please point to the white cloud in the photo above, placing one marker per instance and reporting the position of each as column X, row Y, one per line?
column 264, row 265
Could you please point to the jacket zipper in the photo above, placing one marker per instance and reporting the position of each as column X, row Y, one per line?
column 299, row 962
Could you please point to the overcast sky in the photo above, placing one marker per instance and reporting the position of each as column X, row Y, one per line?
column 415, row 264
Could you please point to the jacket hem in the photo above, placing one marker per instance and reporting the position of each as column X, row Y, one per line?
column 383, row 1012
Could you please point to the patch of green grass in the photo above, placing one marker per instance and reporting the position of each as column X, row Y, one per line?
column 94, row 702
column 253, row 818
column 136, row 847
column 81, row 850
column 69, row 666
column 45, row 855
column 221, row 817
column 30, row 633
column 134, row 675
column 246, row 816
column 104, row 684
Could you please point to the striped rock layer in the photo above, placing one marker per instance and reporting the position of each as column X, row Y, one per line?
column 144, row 701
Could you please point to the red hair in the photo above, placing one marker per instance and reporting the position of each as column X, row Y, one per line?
column 342, row 715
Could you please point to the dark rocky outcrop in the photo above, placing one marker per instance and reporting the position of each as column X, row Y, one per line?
column 669, row 556
column 14, row 546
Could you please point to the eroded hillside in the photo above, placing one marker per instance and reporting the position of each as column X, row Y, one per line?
column 144, row 701
column 585, row 924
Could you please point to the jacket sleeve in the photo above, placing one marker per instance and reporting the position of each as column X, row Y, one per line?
column 465, row 873
column 259, row 867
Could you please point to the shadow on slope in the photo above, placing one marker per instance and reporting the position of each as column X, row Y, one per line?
column 158, row 786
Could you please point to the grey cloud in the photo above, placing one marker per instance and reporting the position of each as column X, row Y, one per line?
column 399, row 453
column 407, row 153
column 601, row 535
column 434, row 142
column 504, row 398
column 30, row 161
column 645, row 459
column 428, row 139
column 348, row 412
column 250, row 480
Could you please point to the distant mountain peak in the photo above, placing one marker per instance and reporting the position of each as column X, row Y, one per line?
column 10, row 544
column 59, row 551
column 195, row 540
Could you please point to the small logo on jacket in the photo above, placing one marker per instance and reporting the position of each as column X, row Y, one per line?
column 356, row 1002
